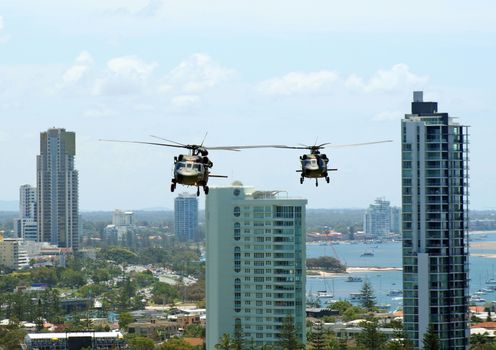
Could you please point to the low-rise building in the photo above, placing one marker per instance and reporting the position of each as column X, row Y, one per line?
column 74, row 340
column 155, row 329
column 12, row 255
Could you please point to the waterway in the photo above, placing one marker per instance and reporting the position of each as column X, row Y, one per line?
column 482, row 267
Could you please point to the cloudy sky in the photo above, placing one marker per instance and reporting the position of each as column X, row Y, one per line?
column 252, row 72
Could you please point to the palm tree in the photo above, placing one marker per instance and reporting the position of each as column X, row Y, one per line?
column 225, row 342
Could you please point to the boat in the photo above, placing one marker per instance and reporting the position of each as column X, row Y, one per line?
column 395, row 293
column 365, row 254
column 476, row 299
column 491, row 281
column 323, row 294
column 354, row 279
column 357, row 297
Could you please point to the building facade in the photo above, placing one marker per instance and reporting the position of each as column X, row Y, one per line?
column 186, row 217
column 26, row 226
column 255, row 272
column 12, row 255
column 377, row 218
column 435, row 222
column 57, row 189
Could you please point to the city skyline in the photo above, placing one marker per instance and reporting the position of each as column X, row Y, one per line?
column 255, row 75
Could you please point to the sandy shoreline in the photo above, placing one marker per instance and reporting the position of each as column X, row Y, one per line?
column 320, row 273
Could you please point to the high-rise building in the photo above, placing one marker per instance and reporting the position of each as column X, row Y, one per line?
column 57, row 189
column 377, row 218
column 27, row 202
column 435, row 223
column 122, row 218
column 186, row 217
column 121, row 230
column 26, row 226
column 396, row 220
column 255, row 273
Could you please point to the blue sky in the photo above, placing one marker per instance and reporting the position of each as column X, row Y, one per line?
column 258, row 72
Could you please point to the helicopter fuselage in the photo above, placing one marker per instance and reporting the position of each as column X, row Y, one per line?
column 314, row 166
column 191, row 170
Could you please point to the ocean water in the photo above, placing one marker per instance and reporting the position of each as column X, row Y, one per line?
column 388, row 254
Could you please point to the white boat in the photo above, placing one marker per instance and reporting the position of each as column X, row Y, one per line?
column 477, row 299
column 323, row 294
column 395, row 293
column 354, row 279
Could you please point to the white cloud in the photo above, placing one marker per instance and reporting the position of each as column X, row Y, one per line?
column 125, row 75
column 298, row 83
column 76, row 72
column 197, row 73
column 398, row 77
column 182, row 101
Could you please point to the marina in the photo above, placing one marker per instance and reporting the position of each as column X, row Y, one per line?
column 383, row 270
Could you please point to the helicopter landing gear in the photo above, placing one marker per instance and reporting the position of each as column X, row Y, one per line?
column 173, row 186
column 316, row 183
column 301, row 179
column 205, row 189
column 327, row 179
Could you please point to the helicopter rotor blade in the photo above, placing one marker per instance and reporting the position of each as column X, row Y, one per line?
column 357, row 144
column 204, row 137
column 161, row 138
column 238, row 148
column 146, row 143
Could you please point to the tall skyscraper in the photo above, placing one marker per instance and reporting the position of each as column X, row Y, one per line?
column 255, row 263
column 57, row 189
column 377, row 218
column 186, row 217
column 435, row 223
column 27, row 202
column 26, row 226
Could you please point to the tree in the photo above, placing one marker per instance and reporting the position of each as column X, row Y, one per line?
column 317, row 336
column 225, row 342
column 341, row 306
column 431, row 340
column 176, row 344
column 141, row 343
column 288, row 339
column 125, row 319
column 368, row 298
column 370, row 337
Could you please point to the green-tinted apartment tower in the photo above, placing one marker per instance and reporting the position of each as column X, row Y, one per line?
column 255, row 263
column 435, row 223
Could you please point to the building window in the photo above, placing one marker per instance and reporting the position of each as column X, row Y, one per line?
column 237, row 231
column 236, row 211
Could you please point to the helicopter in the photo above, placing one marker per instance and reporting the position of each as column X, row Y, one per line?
column 193, row 169
column 315, row 164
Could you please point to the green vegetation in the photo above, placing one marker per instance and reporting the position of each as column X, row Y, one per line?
column 325, row 263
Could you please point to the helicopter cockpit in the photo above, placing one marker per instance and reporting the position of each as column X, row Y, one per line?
column 189, row 166
column 310, row 162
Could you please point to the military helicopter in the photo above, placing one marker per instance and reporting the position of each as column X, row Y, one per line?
column 193, row 169
column 315, row 164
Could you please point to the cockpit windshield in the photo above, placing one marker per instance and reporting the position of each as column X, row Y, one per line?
column 180, row 165
column 188, row 165
column 309, row 162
